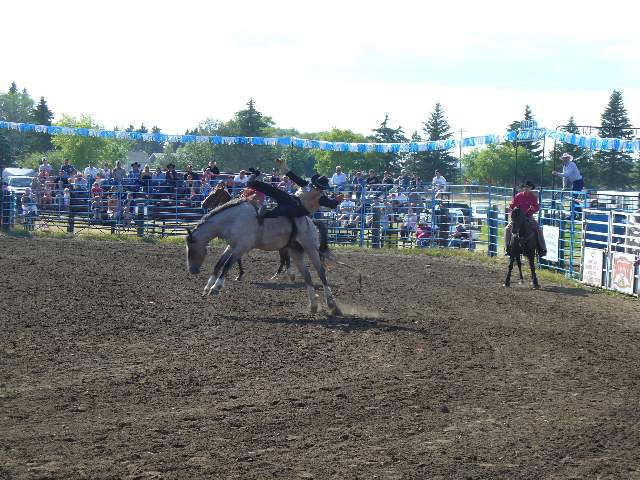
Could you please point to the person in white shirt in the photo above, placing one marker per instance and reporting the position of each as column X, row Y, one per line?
column 338, row 179
column 90, row 173
column 45, row 168
column 571, row 177
column 439, row 182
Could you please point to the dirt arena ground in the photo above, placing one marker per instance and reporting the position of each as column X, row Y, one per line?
column 112, row 365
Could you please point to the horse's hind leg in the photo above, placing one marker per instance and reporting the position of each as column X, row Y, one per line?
column 532, row 266
column 507, row 281
column 298, row 260
column 314, row 256
column 519, row 262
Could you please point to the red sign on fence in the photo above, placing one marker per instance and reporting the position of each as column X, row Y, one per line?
column 623, row 272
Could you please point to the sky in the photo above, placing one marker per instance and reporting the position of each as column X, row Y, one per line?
column 317, row 65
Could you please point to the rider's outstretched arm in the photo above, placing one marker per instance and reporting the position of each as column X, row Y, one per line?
column 301, row 182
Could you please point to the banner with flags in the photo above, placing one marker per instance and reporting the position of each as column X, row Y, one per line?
column 523, row 135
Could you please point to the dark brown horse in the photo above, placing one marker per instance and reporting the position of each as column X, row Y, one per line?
column 523, row 242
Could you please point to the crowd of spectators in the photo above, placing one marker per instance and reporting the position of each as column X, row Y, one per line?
column 115, row 193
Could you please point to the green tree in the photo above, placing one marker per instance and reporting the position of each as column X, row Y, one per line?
column 425, row 163
column 5, row 151
column 496, row 165
column 614, row 168
column 41, row 115
column 81, row 150
column 16, row 106
column 535, row 148
column 385, row 134
column 349, row 161
column 247, row 123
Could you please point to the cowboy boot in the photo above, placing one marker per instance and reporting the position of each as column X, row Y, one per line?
column 260, row 214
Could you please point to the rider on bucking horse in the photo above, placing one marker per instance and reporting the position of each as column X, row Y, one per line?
column 293, row 206
column 528, row 203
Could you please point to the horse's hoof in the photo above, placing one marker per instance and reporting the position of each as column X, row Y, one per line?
column 313, row 309
column 335, row 311
column 238, row 278
column 274, row 277
column 506, row 285
column 520, row 282
column 214, row 291
column 535, row 286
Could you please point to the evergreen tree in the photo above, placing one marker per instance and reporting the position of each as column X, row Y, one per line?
column 534, row 148
column 614, row 168
column 5, row 151
column 385, row 134
column 16, row 106
column 41, row 142
column 247, row 123
column 425, row 163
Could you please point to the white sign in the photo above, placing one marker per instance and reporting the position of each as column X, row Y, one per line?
column 623, row 272
column 552, row 239
column 592, row 261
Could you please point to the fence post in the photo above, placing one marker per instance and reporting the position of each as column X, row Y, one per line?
column 363, row 195
column 572, row 230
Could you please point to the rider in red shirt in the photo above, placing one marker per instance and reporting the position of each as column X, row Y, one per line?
column 528, row 203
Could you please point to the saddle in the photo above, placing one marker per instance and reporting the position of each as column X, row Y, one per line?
column 260, row 210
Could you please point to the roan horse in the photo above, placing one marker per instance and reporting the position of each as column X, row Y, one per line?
column 237, row 224
column 220, row 196
column 523, row 242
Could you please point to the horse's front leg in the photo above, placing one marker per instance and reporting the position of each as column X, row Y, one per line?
column 298, row 260
column 507, row 281
column 519, row 262
column 240, row 270
column 219, row 283
column 314, row 256
column 532, row 266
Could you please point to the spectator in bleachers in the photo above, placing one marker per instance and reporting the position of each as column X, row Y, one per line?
column 459, row 237
column 158, row 175
column 66, row 199
column 104, row 172
column 118, row 173
column 240, row 180
column 213, row 168
column 194, row 175
column 79, row 182
column 358, row 183
column 171, row 177
column 403, row 181
column 47, row 192
column 114, row 209
column 338, row 179
column 66, row 171
column 372, row 179
column 146, row 178
column 408, row 224
column 134, row 173
column 423, row 234
column 90, row 173
column 439, row 183
column 45, row 167
column 347, row 213
column 286, row 185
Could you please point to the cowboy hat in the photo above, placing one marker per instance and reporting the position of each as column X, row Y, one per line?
column 566, row 156
column 254, row 171
column 135, row 164
column 320, row 182
column 171, row 165
column 529, row 184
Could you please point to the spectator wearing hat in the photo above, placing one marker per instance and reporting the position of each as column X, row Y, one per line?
column 135, row 172
column 528, row 203
column 571, row 177
column 372, row 179
column 293, row 206
column 403, row 181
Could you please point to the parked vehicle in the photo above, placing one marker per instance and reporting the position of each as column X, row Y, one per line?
column 18, row 184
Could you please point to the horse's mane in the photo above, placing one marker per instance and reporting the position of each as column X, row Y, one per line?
column 225, row 206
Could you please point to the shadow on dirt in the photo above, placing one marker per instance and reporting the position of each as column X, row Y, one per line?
column 344, row 323
column 574, row 292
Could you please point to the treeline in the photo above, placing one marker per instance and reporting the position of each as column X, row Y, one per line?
column 495, row 164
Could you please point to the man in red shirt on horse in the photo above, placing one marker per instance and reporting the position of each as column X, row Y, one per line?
column 528, row 203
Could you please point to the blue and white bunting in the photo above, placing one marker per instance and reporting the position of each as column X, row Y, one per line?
column 529, row 135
